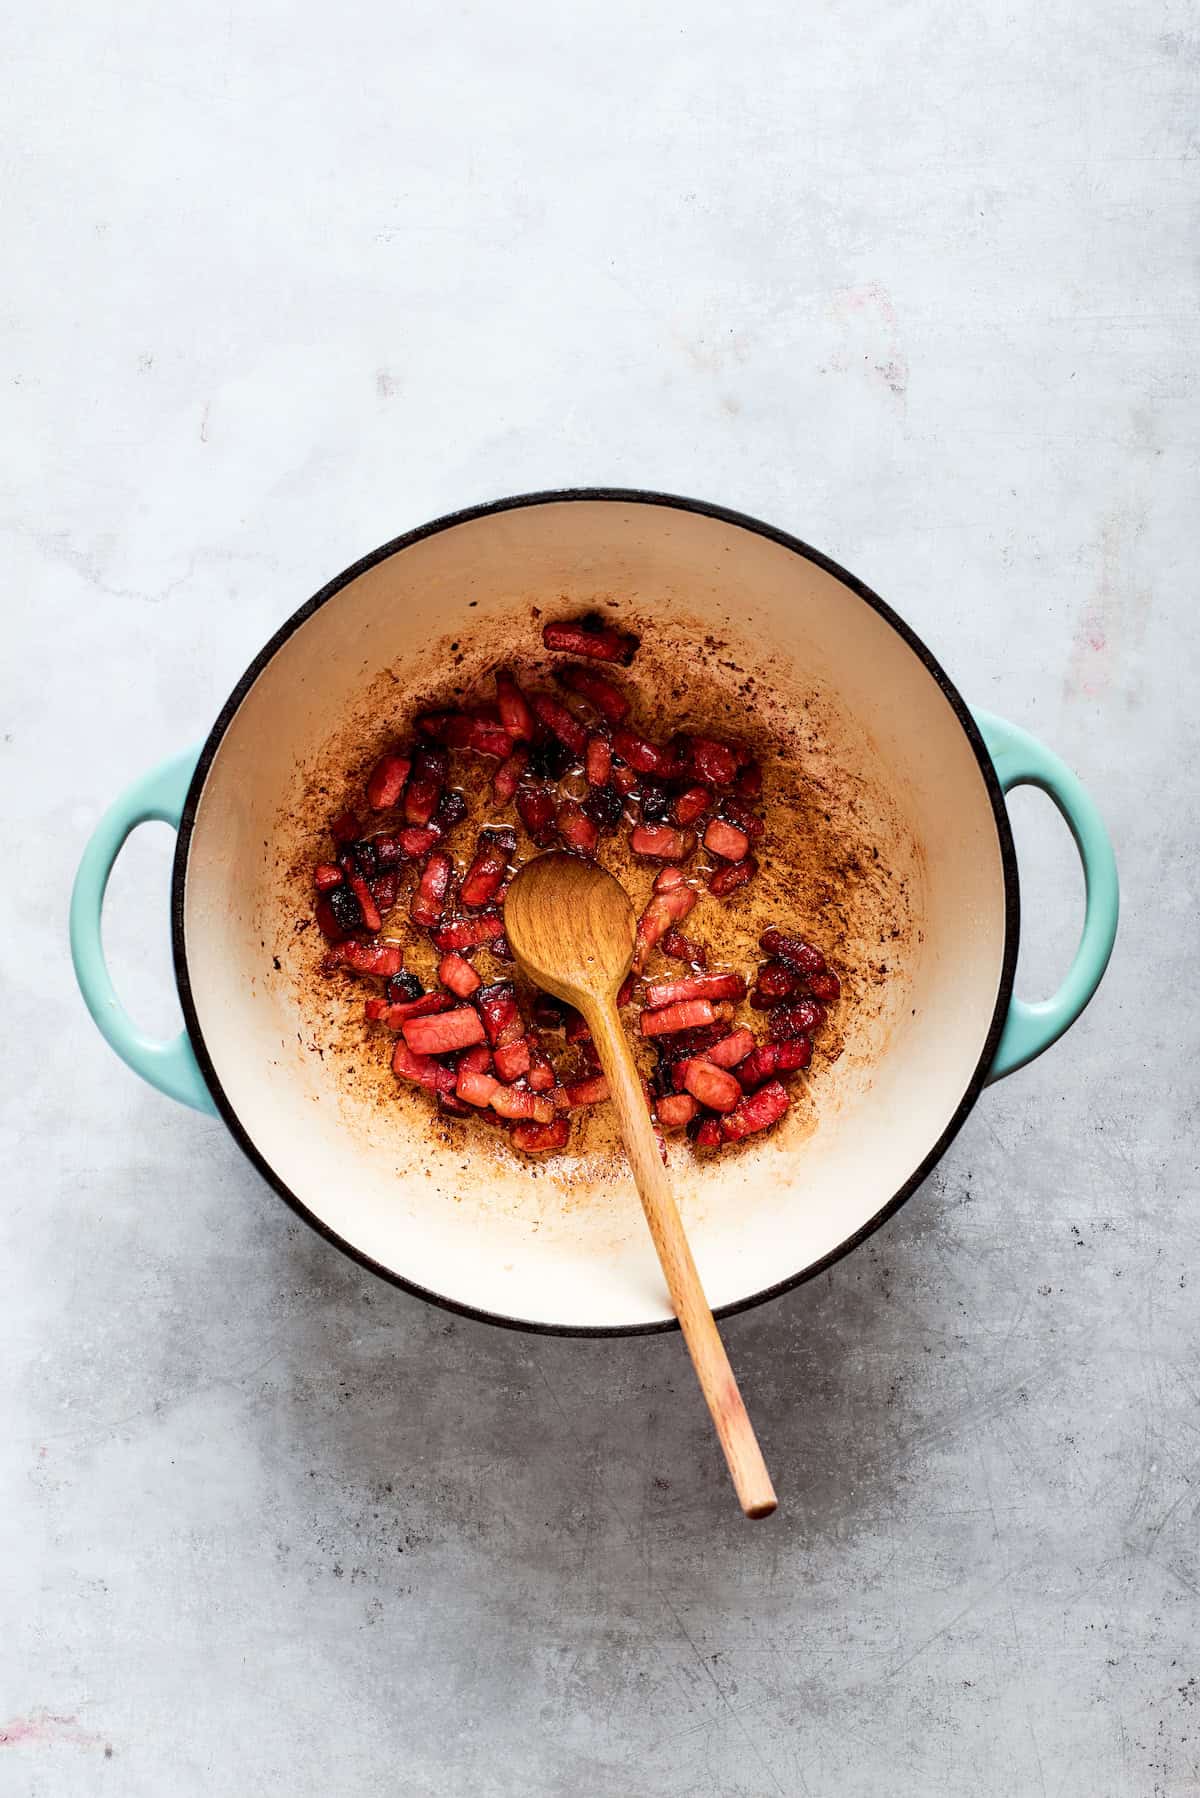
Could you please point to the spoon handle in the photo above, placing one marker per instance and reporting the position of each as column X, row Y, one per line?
column 717, row 1382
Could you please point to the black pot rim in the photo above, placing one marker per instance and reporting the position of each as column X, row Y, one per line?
column 617, row 496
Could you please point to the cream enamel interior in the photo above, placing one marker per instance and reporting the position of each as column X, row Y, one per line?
column 538, row 1244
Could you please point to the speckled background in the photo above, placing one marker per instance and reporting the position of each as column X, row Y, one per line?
column 914, row 282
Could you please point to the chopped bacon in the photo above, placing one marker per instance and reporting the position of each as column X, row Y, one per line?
column 731, row 1049
column 429, row 900
column 623, row 779
column 384, row 889
column 577, row 1028
column 549, row 1013
column 708, row 1135
column 592, row 638
column 625, row 990
column 345, row 828
column 576, row 828
column 469, row 933
column 726, row 880
column 677, row 1017
column 513, row 707
column 538, row 1139
column 512, row 1059
column 475, row 1086
column 457, row 973
column 776, row 980
column 590, row 685
column 715, row 763
column 665, row 908
column 712, row 1086
column 646, row 757
column 748, row 784
column 659, row 843
column 451, row 810
column 691, row 804
column 485, row 876
column 394, row 1013
column 698, row 986
column 508, row 774
column 498, row 1006
column 740, row 815
column 592, row 1091
column 726, row 840
column 478, row 1058
column 825, row 987
column 555, row 716
column 327, row 921
column 409, row 1064
column 757, row 1111
column 541, row 1069
column 774, row 1058
column 387, row 780
column 597, row 761
column 444, row 1032
column 676, row 1110
column 535, row 808
column 802, row 955
column 466, row 730
column 667, row 879
column 520, row 1102
column 800, row 1018
column 326, row 876
column 382, row 958
column 425, row 784
column 682, row 948
column 371, row 919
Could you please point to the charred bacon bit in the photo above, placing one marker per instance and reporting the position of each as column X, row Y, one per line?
column 508, row 774
column 371, row 919
column 608, row 700
column 450, row 1105
column 425, row 784
column 520, row 1102
column 451, row 810
column 691, row 804
column 498, row 1007
column 654, row 802
column 799, row 1019
column 444, row 1032
column 327, row 922
column 387, row 780
column 326, row 877
column 429, row 900
column 677, row 1017
column 345, row 908
column 382, row 958
column 682, row 948
column 714, row 762
column 512, row 1060
column 726, row 840
column 469, row 933
column 604, row 807
column 646, row 757
column 513, row 707
column 549, row 1013
column 826, row 987
column 384, row 889
column 475, row 1086
column 708, row 1134
column 576, row 828
column 535, row 808
column 700, row 986
column 345, row 827
column 749, row 782
column 741, row 815
column 383, row 1011
column 555, row 716
column 577, row 1030
column 592, row 638
column 659, row 843
column 592, row 1091
column 776, row 980
column 731, row 1049
column 403, row 987
column 485, row 876
column 794, row 949
column 457, row 973
column 757, row 1111
column 540, row 1139
column 726, row 880
column 408, row 1064
column 769, row 1059
column 675, row 1110
column 597, row 760
column 548, row 758
column 712, row 1086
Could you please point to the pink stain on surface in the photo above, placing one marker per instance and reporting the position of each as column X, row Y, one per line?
column 46, row 1727
column 867, row 317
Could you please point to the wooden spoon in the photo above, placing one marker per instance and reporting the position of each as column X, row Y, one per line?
column 572, row 929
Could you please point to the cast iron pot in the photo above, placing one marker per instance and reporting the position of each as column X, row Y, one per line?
column 561, row 1247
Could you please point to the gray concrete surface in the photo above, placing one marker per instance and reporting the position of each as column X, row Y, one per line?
column 916, row 282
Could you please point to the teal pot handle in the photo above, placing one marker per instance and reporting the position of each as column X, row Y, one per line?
column 170, row 1066
column 1021, row 761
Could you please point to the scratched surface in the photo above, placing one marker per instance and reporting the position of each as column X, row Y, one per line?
column 914, row 282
